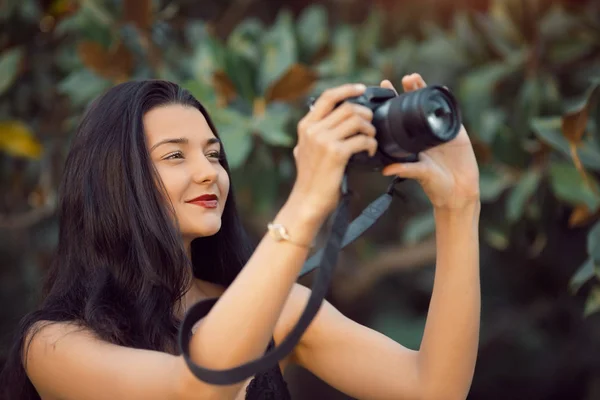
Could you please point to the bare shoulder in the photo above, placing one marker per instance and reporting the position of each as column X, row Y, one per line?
column 44, row 336
column 68, row 361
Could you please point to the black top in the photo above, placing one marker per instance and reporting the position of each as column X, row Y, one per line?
column 268, row 385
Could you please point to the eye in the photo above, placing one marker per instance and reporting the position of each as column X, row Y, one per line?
column 174, row 155
column 215, row 155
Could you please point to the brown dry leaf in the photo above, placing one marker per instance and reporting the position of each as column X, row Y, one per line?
column 296, row 82
column 573, row 128
column 224, row 88
column 482, row 151
column 139, row 12
column 580, row 216
column 573, row 124
column 114, row 64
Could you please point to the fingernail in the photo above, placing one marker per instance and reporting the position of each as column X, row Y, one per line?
column 360, row 86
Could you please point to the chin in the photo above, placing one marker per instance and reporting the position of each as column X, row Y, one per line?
column 205, row 231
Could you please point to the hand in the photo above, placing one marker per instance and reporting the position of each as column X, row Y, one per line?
column 448, row 173
column 327, row 138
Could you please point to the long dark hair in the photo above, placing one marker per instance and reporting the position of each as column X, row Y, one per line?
column 120, row 267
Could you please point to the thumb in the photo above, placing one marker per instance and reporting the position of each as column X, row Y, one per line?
column 411, row 170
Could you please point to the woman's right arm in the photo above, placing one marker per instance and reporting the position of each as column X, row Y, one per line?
column 241, row 323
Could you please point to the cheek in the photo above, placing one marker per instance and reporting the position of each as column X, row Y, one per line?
column 173, row 183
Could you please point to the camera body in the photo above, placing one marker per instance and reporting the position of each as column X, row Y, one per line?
column 407, row 123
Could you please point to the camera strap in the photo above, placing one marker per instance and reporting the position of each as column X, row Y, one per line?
column 340, row 235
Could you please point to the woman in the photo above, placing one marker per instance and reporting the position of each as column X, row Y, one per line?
column 146, row 200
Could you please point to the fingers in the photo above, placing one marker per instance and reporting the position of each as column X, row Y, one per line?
column 351, row 126
column 416, row 170
column 356, row 144
column 331, row 97
column 345, row 111
column 413, row 82
column 388, row 85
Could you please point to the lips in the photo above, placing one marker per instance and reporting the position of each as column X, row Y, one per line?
column 206, row 201
column 205, row 197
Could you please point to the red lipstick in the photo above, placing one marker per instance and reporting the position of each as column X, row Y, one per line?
column 206, row 201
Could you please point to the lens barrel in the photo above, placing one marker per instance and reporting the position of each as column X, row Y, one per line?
column 416, row 121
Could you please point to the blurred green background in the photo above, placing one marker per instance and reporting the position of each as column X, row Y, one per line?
column 526, row 72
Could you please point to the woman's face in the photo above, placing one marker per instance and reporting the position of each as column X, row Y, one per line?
column 187, row 156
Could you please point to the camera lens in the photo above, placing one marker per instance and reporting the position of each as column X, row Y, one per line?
column 415, row 121
column 439, row 116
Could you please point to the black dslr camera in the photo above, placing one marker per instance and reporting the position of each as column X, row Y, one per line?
column 407, row 124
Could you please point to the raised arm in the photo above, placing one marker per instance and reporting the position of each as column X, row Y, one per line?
column 367, row 365
column 241, row 323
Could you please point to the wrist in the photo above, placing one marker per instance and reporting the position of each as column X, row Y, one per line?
column 301, row 222
column 468, row 211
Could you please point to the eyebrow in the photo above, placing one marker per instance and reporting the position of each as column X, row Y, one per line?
column 183, row 141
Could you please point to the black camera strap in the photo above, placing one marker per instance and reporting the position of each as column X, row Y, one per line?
column 341, row 234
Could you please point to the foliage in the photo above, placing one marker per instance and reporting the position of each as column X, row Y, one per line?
column 525, row 72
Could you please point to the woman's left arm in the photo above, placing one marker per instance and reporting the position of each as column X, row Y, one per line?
column 366, row 364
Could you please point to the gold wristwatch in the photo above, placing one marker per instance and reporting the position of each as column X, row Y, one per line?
column 279, row 233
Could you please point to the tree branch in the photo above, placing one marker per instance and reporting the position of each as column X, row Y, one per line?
column 348, row 287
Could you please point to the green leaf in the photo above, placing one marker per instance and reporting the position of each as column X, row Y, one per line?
column 235, row 131
column 521, row 193
column 9, row 67
column 343, row 58
column 593, row 243
column 571, row 51
column 569, row 186
column 492, row 183
column 272, row 126
column 583, row 274
column 477, row 90
column 279, row 51
column 592, row 304
column 548, row 130
column 370, row 34
column 245, row 40
column 499, row 32
column 496, row 237
column 204, row 93
column 312, row 30
column 81, row 86
column 439, row 58
column 418, row 227
column 243, row 75
column 468, row 37
column 400, row 57
column 557, row 24
column 578, row 104
column 529, row 100
column 491, row 122
column 207, row 58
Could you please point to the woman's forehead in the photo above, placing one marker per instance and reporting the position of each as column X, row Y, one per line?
column 176, row 121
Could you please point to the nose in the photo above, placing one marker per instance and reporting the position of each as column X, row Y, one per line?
column 204, row 171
